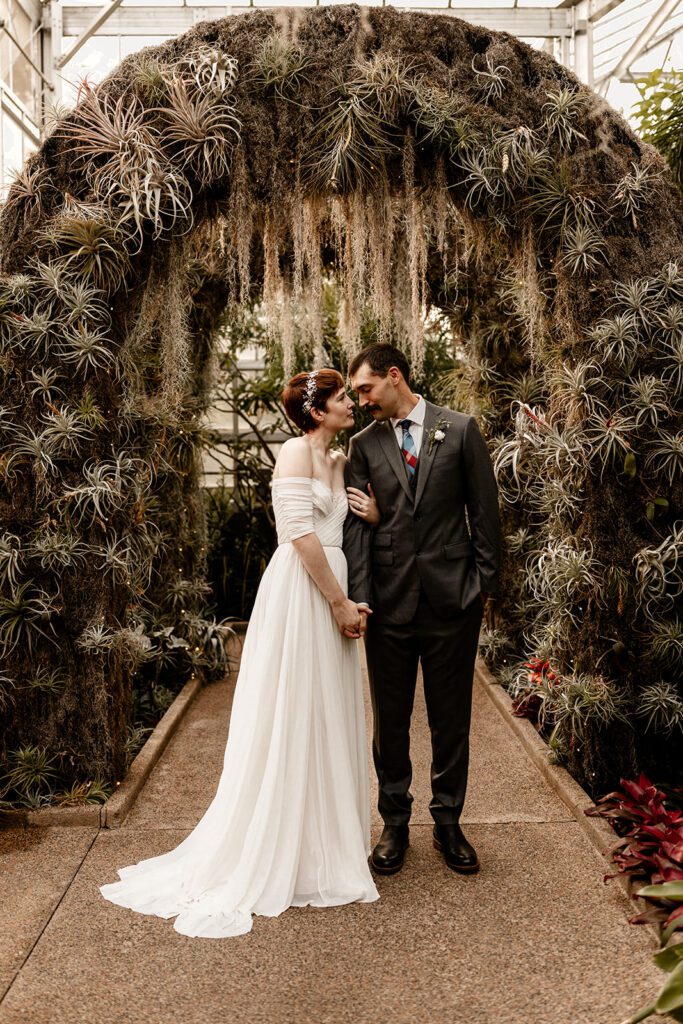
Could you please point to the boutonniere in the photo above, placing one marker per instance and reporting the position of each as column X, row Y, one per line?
column 437, row 433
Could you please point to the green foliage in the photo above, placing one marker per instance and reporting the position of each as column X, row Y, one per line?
column 660, row 116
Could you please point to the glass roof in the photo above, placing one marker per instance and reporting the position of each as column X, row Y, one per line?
column 613, row 34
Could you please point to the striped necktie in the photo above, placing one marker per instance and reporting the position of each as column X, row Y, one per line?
column 408, row 449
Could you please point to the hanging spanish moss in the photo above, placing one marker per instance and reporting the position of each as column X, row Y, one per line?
column 421, row 164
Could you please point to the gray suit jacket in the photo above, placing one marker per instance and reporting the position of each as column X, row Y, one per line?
column 423, row 540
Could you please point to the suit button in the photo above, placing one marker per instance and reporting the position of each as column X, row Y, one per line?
column 417, row 516
column 418, row 552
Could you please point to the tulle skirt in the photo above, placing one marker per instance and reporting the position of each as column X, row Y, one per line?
column 289, row 824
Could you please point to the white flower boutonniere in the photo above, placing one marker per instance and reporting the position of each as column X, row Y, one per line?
column 438, row 433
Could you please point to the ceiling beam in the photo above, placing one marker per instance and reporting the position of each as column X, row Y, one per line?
column 98, row 18
column 636, row 49
column 540, row 23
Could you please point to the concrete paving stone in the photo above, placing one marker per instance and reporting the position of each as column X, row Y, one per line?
column 184, row 781
column 535, row 938
column 36, row 867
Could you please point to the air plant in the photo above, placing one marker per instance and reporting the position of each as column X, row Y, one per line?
column 45, row 680
column 133, row 646
column 88, row 409
column 439, row 117
column 648, row 400
column 559, row 201
column 84, row 303
column 673, row 371
column 108, row 137
column 668, row 284
column 493, row 644
column 484, row 181
column 582, row 248
column 350, row 142
column 200, row 131
column 87, row 350
column 659, row 574
column 152, row 197
column 30, row 446
column 10, row 558
column 209, row 69
column 636, row 297
column 36, row 333
column 492, row 80
column 562, row 576
column 665, row 642
column 20, row 615
column 661, row 706
column 150, row 79
column 665, row 456
column 31, row 774
column 388, row 82
column 618, row 339
column 561, row 111
column 89, row 249
column 96, row 638
column 583, row 700
column 280, row 66
column 578, row 389
column 671, row 323
column 57, row 549
column 607, row 438
column 28, row 192
column 107, row 487
column 519, row 154
column 631, row 191
column 66, row 428
column 185, row 592
column 115, row 559
column 7, row 685
column 45, row 380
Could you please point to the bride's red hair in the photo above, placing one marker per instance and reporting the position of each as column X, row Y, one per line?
column 327, row 383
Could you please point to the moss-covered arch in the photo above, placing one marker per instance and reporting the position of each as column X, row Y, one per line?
column 422, row 161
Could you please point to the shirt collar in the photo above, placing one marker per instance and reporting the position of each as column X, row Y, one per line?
column 416, row 414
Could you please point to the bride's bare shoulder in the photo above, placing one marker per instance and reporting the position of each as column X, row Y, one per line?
column 294, row 459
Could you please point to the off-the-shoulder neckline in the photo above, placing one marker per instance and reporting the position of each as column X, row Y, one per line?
column 312, row 479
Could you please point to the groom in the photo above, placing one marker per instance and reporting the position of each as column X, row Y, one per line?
column 427, row 576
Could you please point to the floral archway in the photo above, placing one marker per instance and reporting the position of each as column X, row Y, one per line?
column 422, row 162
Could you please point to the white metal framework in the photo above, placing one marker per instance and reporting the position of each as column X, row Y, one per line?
column 47, row 47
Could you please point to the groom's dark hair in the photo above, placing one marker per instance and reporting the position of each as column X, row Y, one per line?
column 379, row 358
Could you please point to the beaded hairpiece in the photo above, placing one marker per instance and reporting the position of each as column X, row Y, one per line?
column 311, row 388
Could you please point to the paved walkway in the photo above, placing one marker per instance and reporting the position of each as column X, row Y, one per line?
column 534, row 938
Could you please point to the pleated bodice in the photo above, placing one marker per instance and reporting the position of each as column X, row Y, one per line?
column 307, row 505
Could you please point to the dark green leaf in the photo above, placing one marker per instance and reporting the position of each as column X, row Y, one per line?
column 670, row 957
column 671, row 996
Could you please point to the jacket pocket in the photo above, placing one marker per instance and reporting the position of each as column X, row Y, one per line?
column 461, row 549
column 381, row 548
column 382, row 539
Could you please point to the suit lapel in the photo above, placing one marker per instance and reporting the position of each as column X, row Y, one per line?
column 426, row 460
column 387, row 439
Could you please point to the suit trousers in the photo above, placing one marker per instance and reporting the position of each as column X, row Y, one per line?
column 447, row 650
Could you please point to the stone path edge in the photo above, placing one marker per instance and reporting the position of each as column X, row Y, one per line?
column 598, row 831
column 112, row 813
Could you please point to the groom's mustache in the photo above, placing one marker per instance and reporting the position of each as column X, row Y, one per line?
column 373, row 408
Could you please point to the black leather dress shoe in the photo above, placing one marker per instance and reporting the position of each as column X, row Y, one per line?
column 388, row 856
column 457, row 852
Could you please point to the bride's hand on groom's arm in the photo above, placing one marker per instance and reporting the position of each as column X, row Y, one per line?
column 364, row 505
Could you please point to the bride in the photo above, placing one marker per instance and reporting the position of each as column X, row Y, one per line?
column 289, row 824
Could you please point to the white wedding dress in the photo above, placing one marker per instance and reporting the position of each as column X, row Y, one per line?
column 290, row 822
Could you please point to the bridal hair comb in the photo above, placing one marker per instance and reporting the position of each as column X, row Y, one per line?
column 311, row 388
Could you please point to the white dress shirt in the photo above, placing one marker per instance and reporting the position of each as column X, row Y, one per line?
column 417, row 418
